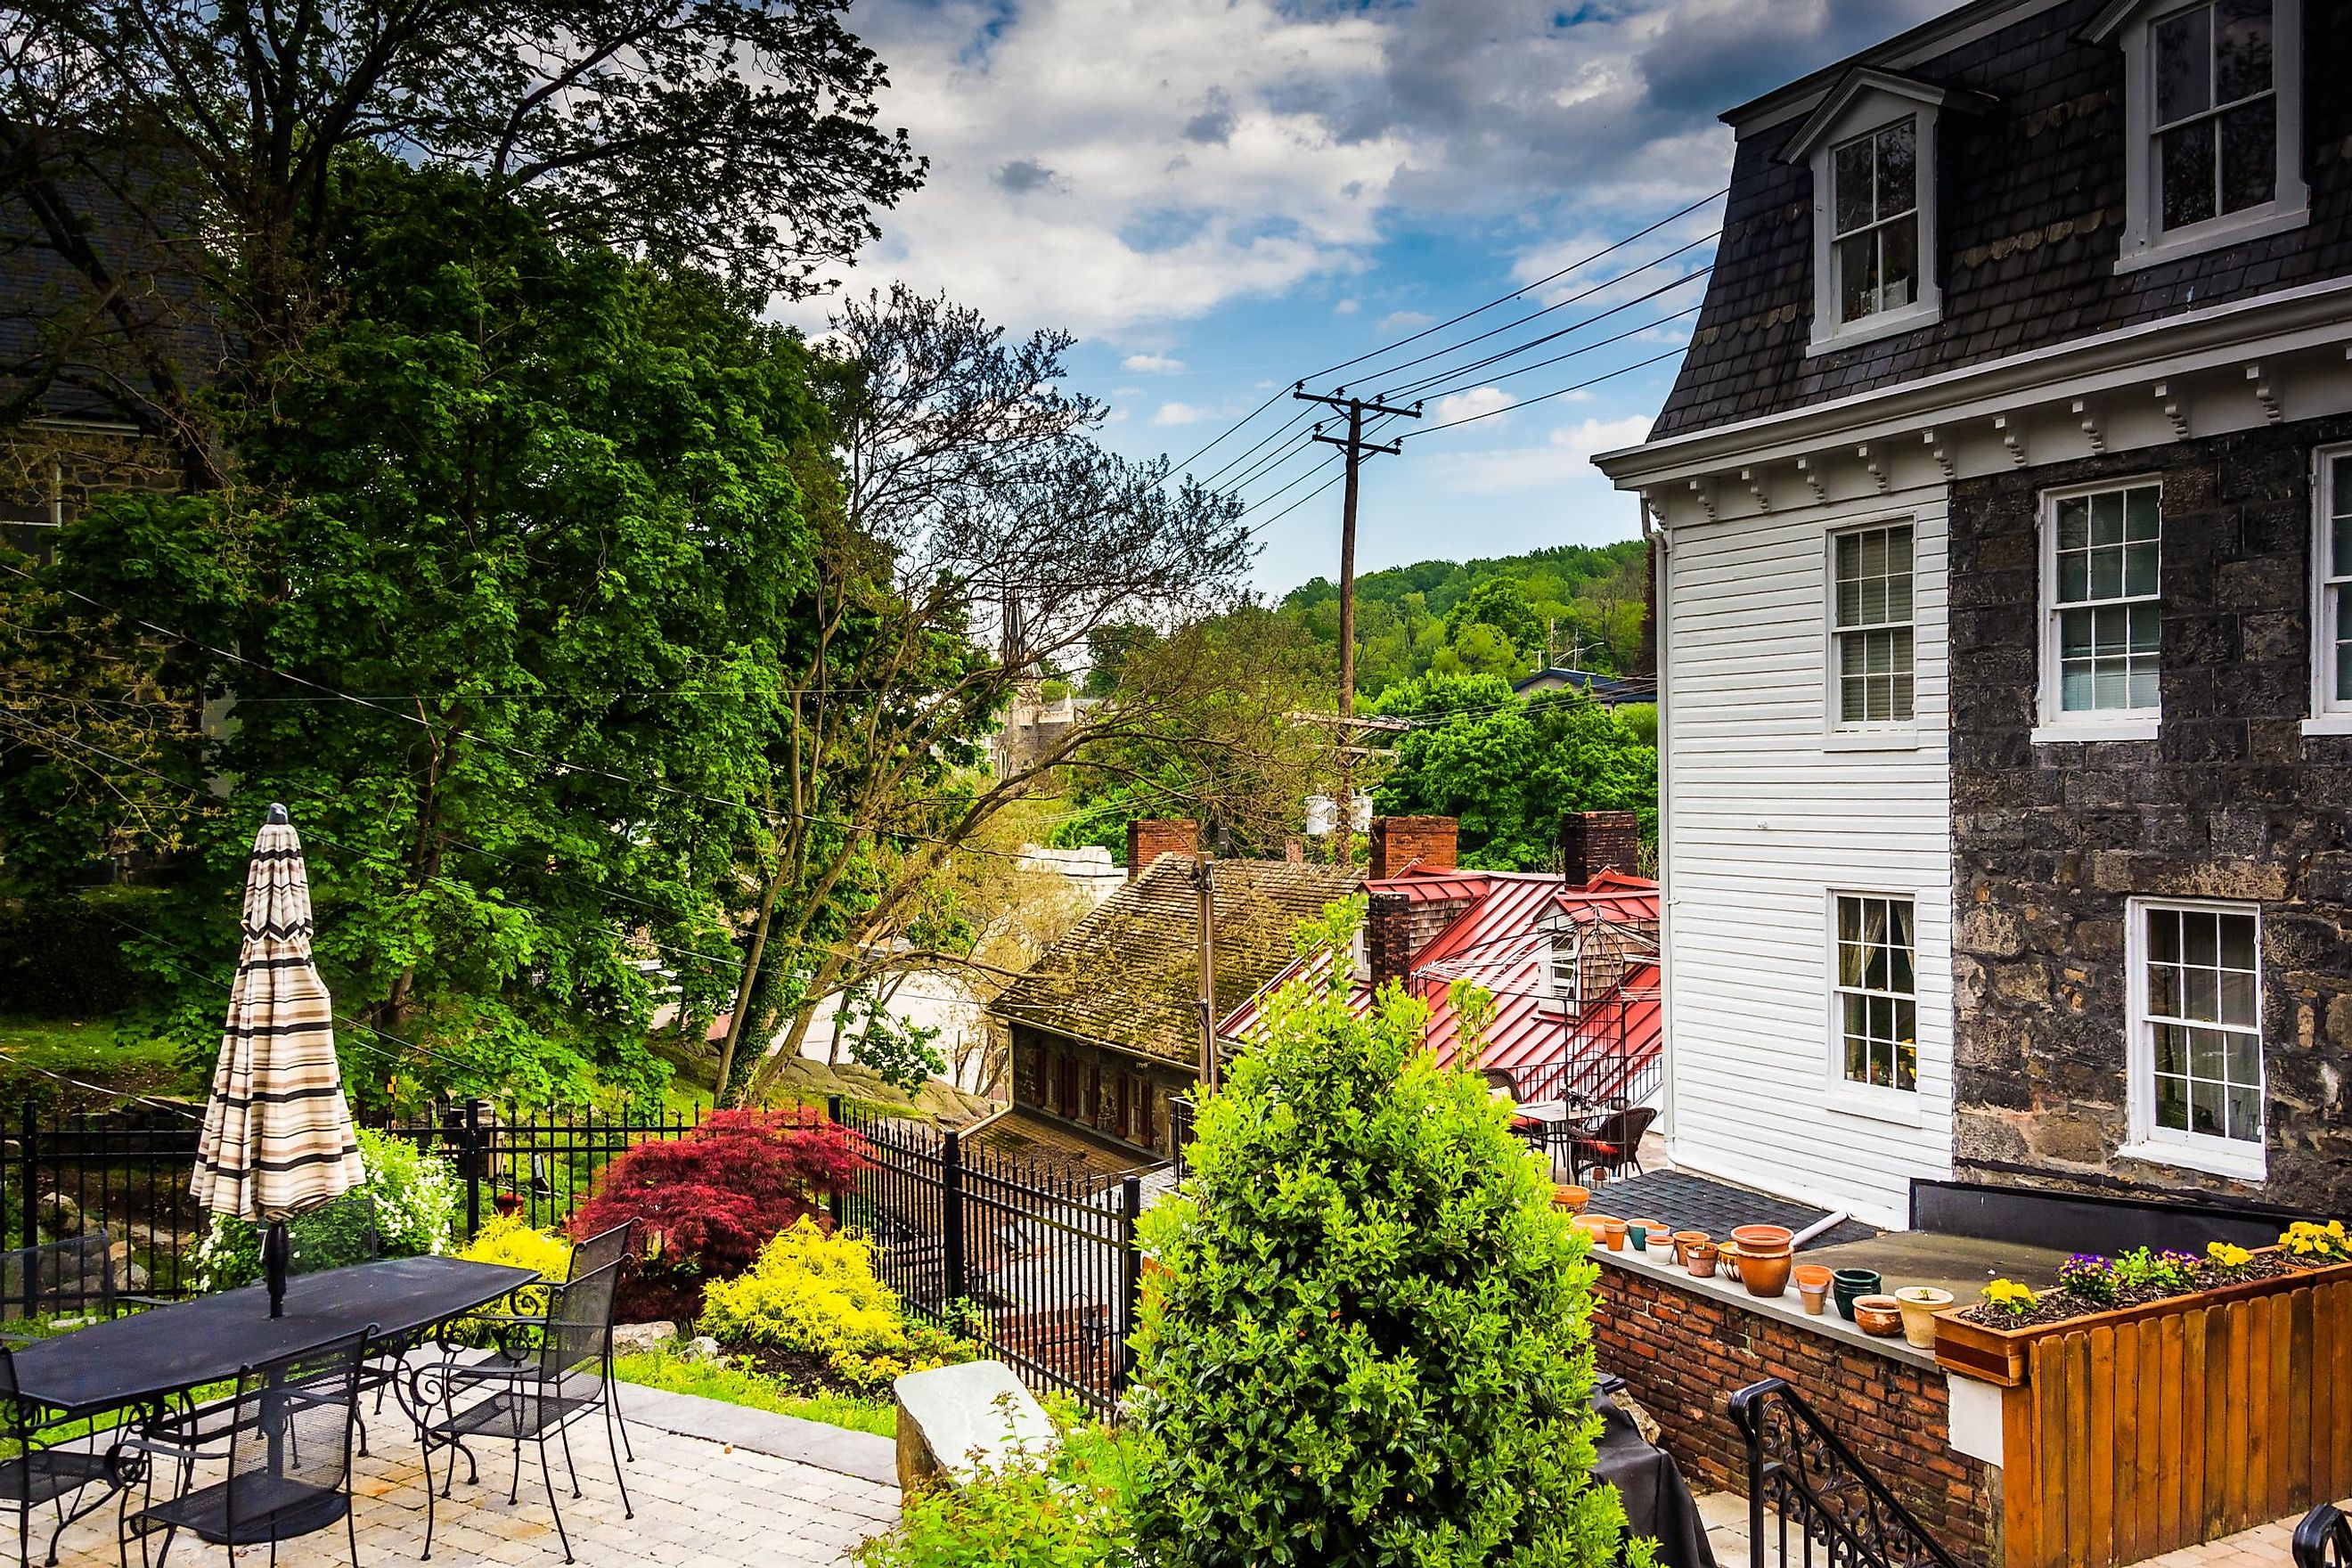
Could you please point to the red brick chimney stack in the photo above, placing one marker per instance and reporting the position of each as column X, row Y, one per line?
column 1402, row 841
column 1147, row 838
column 1388, row 930
column 1591, row 842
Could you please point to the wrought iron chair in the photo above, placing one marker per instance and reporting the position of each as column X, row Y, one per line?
column 286, row 1434
column 35, row 1473
column 76, row 1275
column 516, row 1333
column 337, row 1235
column 1612, row 1145
column 2323, row 1538
column 533, row 1400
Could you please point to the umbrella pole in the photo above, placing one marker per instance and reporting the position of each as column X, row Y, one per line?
column 275, row 1248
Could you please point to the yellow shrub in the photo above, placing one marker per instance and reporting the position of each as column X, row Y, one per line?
column 814, row 1294
column 507, row 1239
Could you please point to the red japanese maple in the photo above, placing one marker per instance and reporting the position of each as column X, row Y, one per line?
column 705, row 1205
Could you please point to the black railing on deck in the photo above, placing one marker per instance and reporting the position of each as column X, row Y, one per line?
column 1803, row 1474
column 1038, row 1266
column 1609, row 1054
column 2324, row 1539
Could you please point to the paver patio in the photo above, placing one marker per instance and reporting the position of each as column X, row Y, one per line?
column 700, row 1503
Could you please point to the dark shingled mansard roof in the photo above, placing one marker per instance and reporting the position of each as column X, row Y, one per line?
column 1128, row 975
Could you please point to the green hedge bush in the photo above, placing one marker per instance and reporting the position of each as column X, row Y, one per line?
column 1369, row 1345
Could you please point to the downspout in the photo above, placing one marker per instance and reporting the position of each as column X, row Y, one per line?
column 1661, row 543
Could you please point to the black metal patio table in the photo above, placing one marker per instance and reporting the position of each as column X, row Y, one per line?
column 147, row 1358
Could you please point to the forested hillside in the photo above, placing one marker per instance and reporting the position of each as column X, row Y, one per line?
column 1498, row 616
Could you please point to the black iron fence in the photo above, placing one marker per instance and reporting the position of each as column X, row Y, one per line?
column 1611, row 1054
column 1039, row 1267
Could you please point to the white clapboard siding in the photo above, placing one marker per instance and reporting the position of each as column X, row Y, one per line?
column 1767, row 818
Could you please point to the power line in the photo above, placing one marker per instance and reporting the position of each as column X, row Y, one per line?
column 1425, row 382
column 1528, row 403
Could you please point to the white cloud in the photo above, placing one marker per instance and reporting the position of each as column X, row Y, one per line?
column 1470, row 404
column 1405, row 321
column 1152, row 365
column 1565, row 455
column 1347, row 307
column 1182, row 414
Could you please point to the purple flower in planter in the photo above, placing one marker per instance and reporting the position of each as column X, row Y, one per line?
column 2088, row 1277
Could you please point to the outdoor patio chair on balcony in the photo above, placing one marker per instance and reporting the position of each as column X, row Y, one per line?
column 532, row 1401
column 1612, row 1144
column 38, row 1474
column 75, row 1277
column 1501, row 1085
column 286, row 1434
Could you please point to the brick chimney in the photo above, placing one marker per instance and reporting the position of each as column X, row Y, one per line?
column 1147, row 838
column 1388, row 930
column 1591, row 842
column 1402, row 841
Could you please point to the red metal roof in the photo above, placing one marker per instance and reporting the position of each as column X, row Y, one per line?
column 1500, row 943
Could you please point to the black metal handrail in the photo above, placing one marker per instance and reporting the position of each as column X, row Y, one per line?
column 2324, row 1539
column 1805, row 1472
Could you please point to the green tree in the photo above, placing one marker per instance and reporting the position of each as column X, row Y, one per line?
column 1369, row 1342
column 533, row 502
column 1508, row 767
column 1497, row 603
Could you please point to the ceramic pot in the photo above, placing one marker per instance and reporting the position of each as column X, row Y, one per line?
column 1612, row 1231
column 1812, row 1287
column 1920, row 1303
column 1766, row 1277
column 1881, row 1317
column 1845, row 1284
column 1659, row 1234
column 1760, row 1240
column 1699, row 1259
column 1683, row 1239
column 1727, row 1253
column 1570, row 1197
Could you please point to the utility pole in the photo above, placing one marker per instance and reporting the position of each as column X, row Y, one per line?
column 1357, row 449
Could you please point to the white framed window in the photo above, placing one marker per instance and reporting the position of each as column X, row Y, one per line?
column 1871, row 148
column 2213, row 123
column 2194, row 1046
column 2331, row 604
column 1875, row 994
column 2101, row 611
column 1874, row 221
column 1565, row 968
column 1872, row 635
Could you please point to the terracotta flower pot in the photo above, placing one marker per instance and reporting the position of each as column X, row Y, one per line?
column 1699, row 1259
column 1683, row 1239
column 1766, row 1277
column 1612, row 1231
column 1812, row 1287
column 1593, row 1227
column 1847, row 1284
column 1727, row 1253
column 1760, row 1240
column 1652, row 1236
column 1570, row 1197
column 1920, row 1303
column 1878, row 1316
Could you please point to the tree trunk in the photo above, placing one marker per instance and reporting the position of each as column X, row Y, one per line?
column 743, row 988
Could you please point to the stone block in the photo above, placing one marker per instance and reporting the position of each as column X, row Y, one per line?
column 2251, row 879
column 2066, row 1137
column 956, row 1423
column 636, row 1339
column 1992, row 932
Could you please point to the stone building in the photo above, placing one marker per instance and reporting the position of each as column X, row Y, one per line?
column 2003, row 521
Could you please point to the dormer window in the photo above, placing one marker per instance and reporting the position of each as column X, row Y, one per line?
column 2213, row 121
column 1566, row 972
column 1875, row 203
column 1871, row 147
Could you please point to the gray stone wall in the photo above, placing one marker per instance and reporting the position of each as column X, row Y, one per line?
column 2231, row 800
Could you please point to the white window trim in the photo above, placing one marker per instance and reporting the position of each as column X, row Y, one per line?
column 1567, row 945
column 2144, row 242
column 1887, row 734
column 1871, row 111
column 2330, row 714
column 2164, row 1145
column 2055, row 724
column 1876, row 1101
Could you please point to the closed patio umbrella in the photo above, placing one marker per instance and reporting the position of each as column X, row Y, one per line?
column 277, row 1135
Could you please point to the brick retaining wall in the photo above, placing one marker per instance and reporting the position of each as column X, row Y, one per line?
column 1683, row 1354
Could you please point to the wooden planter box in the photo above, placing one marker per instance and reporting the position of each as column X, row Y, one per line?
column 2139, row 1431
column 2001, row 1355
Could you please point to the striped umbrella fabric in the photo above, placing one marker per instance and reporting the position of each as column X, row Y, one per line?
column 278, row 1132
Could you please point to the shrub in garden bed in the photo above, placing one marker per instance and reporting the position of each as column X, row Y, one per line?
column 508, row 1240
column 417, row 1200
column 1072, row 1509
column 706, row 1203
column 812, row 1312
column 1368, row 1340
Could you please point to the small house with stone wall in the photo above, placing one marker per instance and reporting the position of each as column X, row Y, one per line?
column 1105, row 1028
column 2002, row 527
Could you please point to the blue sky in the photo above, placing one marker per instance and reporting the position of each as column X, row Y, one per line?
column 1221, row 197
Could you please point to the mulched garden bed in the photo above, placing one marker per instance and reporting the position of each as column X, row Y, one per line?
column 2056, row 1305
column 797, row 1370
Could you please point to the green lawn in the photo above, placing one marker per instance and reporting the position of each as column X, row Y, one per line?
column 733, row 1385
column 37, row 1055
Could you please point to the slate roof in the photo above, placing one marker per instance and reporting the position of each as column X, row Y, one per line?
column 1028, row 1138
column 1128, row 976
column 2030, row 210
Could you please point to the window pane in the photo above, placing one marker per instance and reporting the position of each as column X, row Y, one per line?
column 1850, row 183
column 1849, row 604
column 2172, row 1103
column 2074, row 523
column 1898, row 178
column 2141, row 513
column 2188, row 175
column 2245, row 1054
column 1857, row 277
column 1849, row 920
column 2205, row 1111
column 2139, row 568
column 2242, row 52
column 1899, row 263
column 2237, row 939
column 2074, row 692
column 2200, row 998
column 2164, row 936
column 1898, row 550
column 2110, row 687
column 2246, row 1115
column 2339, row 556
column 2201, row 937
column 1903, row 682
column 2344, row 654
column 2171, row 1050
column 2163, row 990
column 2249, row 155
column 2107, row 518
column 2147, row 629
column 1898, row 595
column 2106, row 573
column 1874, row 600
column 2074, row 577
column 1857, row 1047
column 1898, row 921
column 2184, row 57
column 1874, row 969
column 2140, row 690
